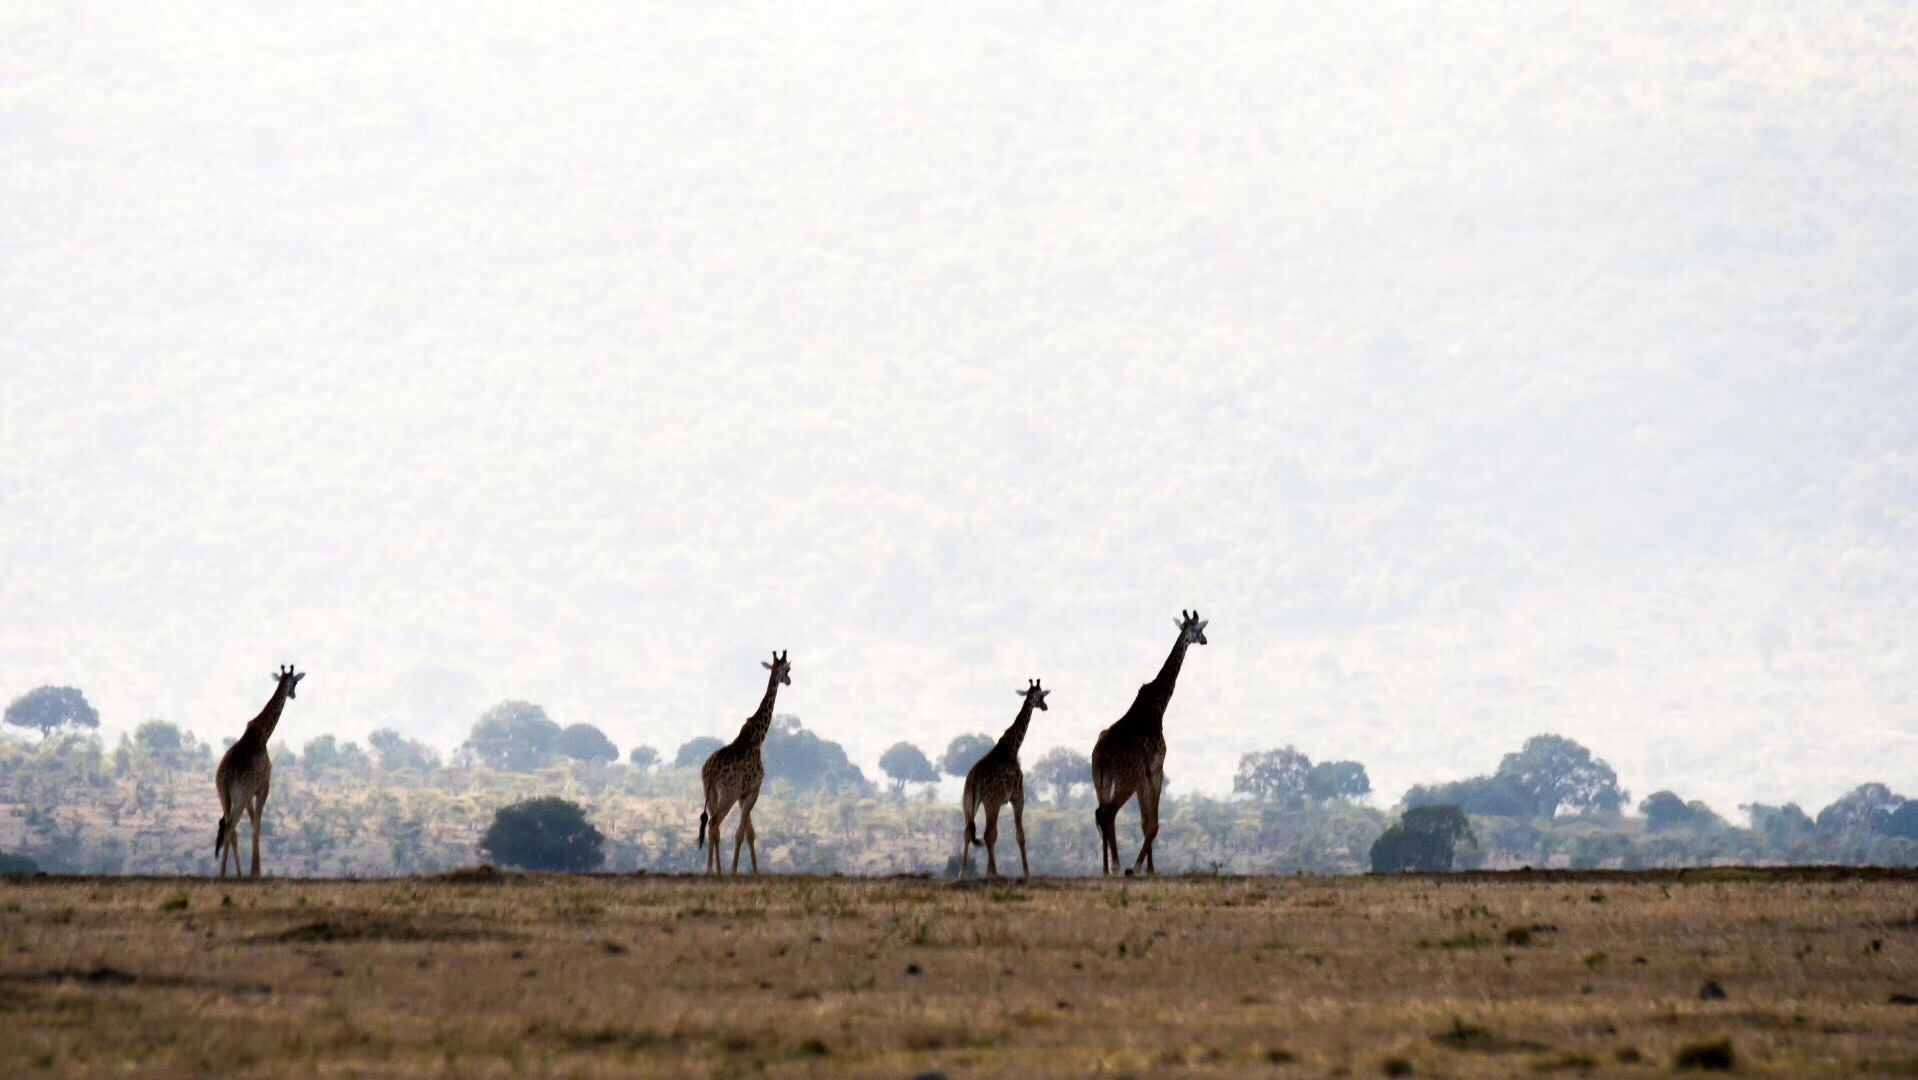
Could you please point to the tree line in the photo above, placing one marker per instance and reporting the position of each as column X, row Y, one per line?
column 396, row 804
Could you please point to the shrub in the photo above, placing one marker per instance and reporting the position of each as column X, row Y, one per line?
column 544, row 834
column 1423, row 840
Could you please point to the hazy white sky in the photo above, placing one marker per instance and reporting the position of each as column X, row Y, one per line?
column 1478, row 369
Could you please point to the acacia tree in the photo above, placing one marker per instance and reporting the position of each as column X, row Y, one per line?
column 642, row 757
column 963, row 752
column 51, row 707
column 513, row 736
column 1331, row 781
column 327, row 752
column 1556, row 774
column 694, row 751
column 807, row 761
column 906, row 764
column 1273, row 776
column 584, row 742
column 396, row 751
column 1058, row 772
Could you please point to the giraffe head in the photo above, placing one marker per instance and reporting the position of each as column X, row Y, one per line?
column 1191, row 628
column 1036, row 695
column 290, row 680
column 781, row 669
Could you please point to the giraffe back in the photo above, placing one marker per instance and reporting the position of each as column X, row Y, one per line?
column 244, row 767
column 996, row 779
column 732, row 771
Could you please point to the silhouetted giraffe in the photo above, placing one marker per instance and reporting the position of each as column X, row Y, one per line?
column 1129, row 758
column 997, row 780
column 246, row 773
column 733, row 772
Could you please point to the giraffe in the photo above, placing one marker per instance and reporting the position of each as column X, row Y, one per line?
column 1129, row 757
column 997, row 780
column 246, row 773
column 733, row 772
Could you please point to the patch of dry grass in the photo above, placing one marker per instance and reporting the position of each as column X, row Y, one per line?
column 895, row 977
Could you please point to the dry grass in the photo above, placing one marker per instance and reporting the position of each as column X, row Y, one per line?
column 898, row 977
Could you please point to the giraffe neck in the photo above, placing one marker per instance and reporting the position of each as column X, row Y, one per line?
column 754, row 733
column 262, row 725
column 1015, row 735
column 1157, row 694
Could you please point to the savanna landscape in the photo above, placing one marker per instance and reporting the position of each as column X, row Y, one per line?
column 1524, row 393
column 1790, row 972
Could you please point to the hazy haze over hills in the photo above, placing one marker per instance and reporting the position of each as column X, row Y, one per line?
column 1478, row 371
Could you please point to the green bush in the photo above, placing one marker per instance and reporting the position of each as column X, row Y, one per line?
column 544, row 834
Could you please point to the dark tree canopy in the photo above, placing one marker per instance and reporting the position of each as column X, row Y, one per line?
column 1058, row 772
column 584, row 742
column 326, row 752
column 1866, row 808
column 158, row 737
column 1903, row 821
column 642, row 757
column 167, row 746
column 1486, row 796
column 1337, row 780
column 806, row 761
column 1549, row 776
column 1665, row 811
column 1557, row 774
column 396, row 751
column 963, row 752
column 51, row 707
column 907, row 764
column 1423, row 840
column 1784, row 827
column 544, row 834
column 514, row 736
column 1276, row 776
column 17, row 866
column 694, row 752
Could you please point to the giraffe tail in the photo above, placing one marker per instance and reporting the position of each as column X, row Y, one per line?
column 702, row 829
column 971, row 808
column 219, row 839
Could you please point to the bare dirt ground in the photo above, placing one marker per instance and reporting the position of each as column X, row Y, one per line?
column 1791, row 973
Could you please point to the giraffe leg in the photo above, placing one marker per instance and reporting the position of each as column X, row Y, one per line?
column 253, row 814
column 233, row 839
column 1110, row 861
column 739, row 837
column 1019, row 829
column 713, row 865
column 752, row 834
column 1148, row 826
column 992, row 841
column 1105, row 849
column 220, row 844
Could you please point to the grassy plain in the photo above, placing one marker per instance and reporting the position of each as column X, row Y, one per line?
column 492, row 974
